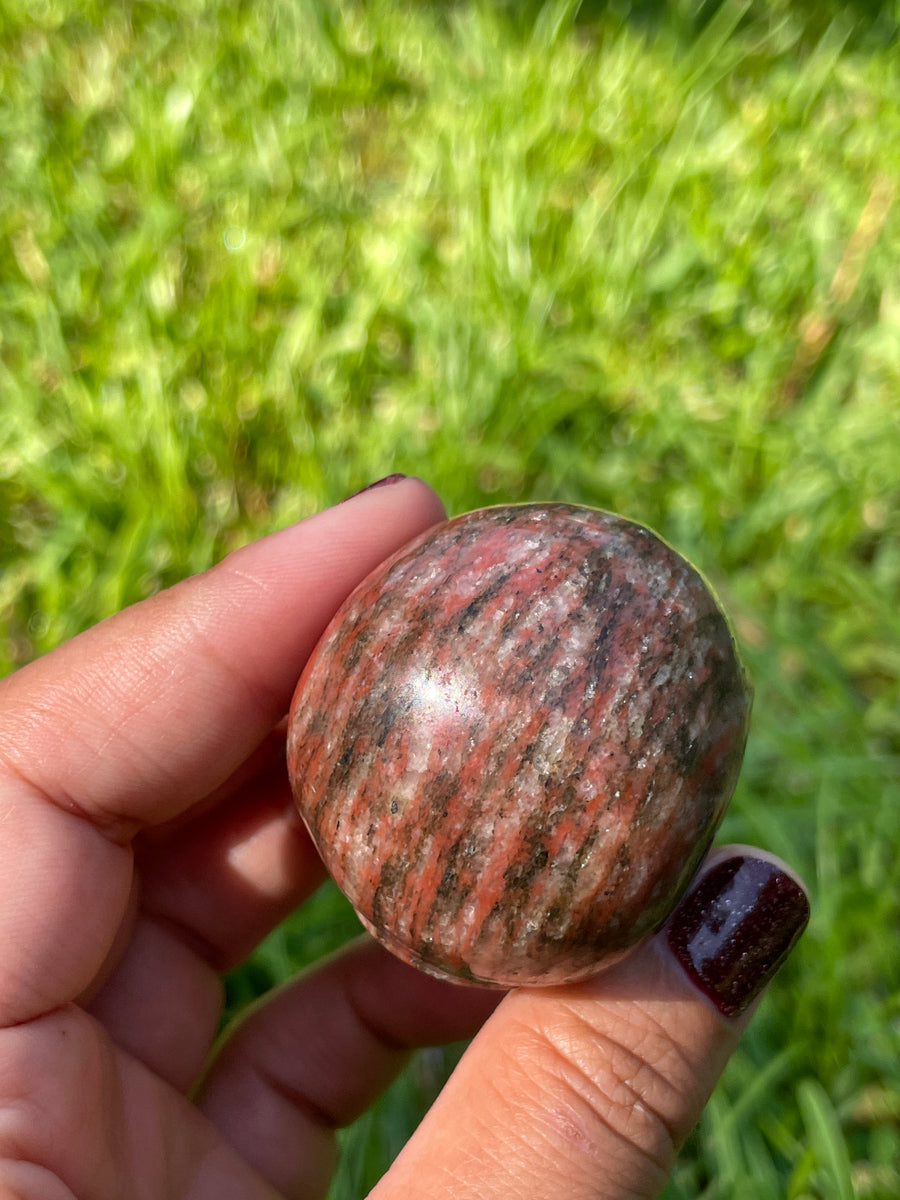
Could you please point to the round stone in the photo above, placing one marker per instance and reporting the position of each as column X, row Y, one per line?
column 516, row 739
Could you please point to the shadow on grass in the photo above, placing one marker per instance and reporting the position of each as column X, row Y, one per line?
column 873, row 21
column 699, row 14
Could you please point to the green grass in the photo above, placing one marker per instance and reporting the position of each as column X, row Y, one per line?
column 648, row 258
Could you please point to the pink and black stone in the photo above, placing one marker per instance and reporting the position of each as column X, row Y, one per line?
column 516, row 739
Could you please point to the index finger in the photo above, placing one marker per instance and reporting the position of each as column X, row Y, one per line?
column 136, row 720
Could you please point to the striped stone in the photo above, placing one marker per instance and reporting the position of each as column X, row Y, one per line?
column 515, row 741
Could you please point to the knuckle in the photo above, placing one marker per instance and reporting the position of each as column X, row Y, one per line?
column 608, row 1092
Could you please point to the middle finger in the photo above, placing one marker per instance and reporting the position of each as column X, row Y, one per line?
column 209, row 891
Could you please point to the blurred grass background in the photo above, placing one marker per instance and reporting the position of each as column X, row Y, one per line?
column 646, row 257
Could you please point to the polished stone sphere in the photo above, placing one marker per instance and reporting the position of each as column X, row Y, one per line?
column 516, row 739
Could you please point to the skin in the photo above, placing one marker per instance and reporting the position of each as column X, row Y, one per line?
column 148, row 842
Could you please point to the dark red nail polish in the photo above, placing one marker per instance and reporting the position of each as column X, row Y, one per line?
column 388, row 479
column 736, row 927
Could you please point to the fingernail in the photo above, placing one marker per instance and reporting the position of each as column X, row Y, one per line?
column 736, row 927
column 388, row 479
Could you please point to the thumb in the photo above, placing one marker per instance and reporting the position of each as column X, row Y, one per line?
column 586, row 1092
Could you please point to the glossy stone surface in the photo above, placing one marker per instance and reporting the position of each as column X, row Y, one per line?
column 515, row 741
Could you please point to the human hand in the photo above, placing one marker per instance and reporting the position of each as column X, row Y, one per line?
column 148, row 841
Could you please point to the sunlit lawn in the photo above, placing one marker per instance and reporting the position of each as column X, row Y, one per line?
column 254, row 256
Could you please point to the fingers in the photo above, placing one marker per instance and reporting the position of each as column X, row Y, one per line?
column 228, row 877
column 312, row 1058
column 140, row 718
column 586, row 1092
column 315, row 1056
column 82, row 1119
column 210, row 890
column 162, row 1004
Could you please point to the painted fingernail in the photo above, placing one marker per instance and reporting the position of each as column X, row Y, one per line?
column 388, row 479
column 736, row 927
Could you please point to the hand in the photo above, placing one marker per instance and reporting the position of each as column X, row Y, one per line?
column 148, row 842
